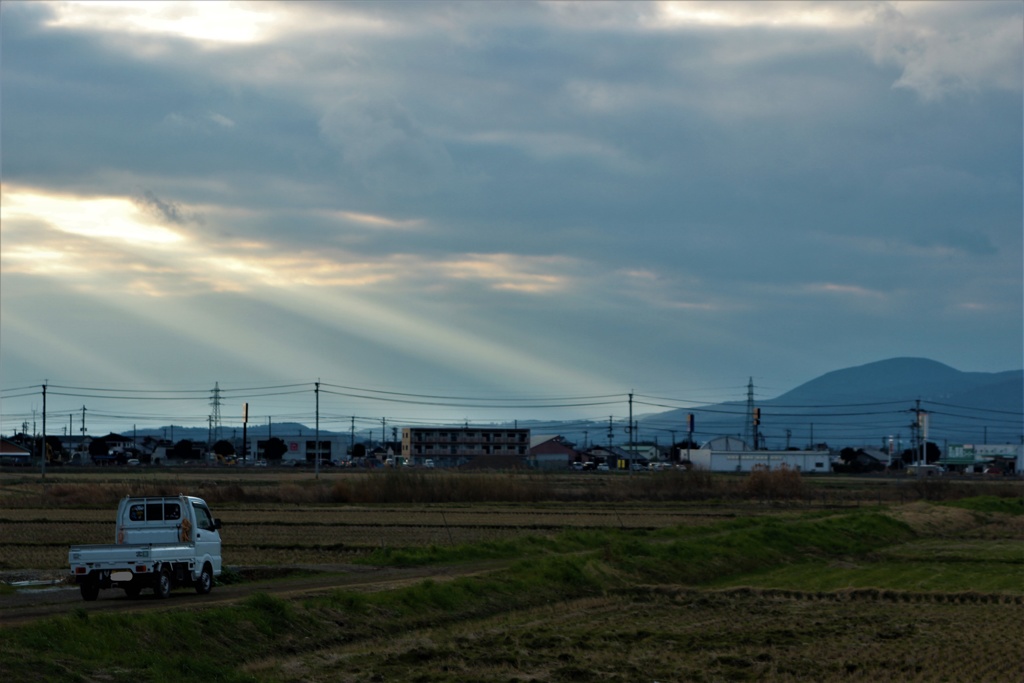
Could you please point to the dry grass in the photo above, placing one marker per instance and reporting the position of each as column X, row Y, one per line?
column 691, row 636
column 781, row 483
column 935, row 520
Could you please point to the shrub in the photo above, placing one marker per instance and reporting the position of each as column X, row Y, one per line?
column 782, row 483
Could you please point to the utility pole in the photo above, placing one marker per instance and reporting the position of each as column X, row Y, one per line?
column 45, row 450
column 316, row 448
column 920, row 426
column 245, row 430
column 689, row 435
column 629, row 429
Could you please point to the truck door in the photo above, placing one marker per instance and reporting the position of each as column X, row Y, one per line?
column 207, row 538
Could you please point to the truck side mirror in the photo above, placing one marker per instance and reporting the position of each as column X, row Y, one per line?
column 216, row 523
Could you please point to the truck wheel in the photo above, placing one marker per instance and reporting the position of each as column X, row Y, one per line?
column 90, row 589
column 205, row 581
column 163, row 585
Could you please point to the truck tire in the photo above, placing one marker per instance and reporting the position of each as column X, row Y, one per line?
column 90, row 589
column 162, row 589
column 204, row 584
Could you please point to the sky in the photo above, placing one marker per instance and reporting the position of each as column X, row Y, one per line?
column 496, row 210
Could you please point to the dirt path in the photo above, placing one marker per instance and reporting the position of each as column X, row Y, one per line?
column 30, row 604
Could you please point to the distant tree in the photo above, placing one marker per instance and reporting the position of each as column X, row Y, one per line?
column 275, row 449
column 856, row 461
column 359, row 451
column 932, row 453
column 98, row 447
column 182, row 450
column 224, row 447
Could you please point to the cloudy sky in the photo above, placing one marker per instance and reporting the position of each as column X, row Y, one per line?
column 504, row 202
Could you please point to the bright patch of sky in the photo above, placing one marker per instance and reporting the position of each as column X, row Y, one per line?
column 503, row 199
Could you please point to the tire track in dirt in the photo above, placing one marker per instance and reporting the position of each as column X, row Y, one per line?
column 26, row 606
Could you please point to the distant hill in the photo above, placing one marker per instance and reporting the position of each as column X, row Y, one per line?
column 177, row 433
column 868, row 403
column 911, row 379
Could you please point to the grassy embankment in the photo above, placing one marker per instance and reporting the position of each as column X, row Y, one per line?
column 634, row 586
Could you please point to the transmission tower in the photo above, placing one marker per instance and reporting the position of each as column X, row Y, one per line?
column 748, row 428
column 215, row 415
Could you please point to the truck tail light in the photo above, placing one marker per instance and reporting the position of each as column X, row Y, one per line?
column 140, row 569
column 79, row 570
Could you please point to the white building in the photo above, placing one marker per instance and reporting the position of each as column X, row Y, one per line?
column 302, row 447
column 730, row 454
column 1007, row 456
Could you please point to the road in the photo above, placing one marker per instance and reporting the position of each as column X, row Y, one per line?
column 31, row 604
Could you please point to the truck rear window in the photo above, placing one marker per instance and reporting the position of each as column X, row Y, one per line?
column 154, row 512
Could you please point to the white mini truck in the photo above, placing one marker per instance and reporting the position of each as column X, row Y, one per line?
column 160, row 543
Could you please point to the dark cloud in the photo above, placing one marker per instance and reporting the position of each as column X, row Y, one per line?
column 168, row 211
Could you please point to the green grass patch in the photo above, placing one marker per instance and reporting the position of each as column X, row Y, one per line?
column 474, row 552
column 991, row 504
column 970, row 550
column 929, row 577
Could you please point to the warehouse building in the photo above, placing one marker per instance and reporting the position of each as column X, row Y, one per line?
column 731, row 454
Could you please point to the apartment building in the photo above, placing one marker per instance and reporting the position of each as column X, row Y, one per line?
column 453, row 446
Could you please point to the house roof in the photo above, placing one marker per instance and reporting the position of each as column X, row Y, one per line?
column 115, row 437
column 538, row 439
column 11, row 448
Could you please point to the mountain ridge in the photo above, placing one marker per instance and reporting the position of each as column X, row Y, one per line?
column 875, row 401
